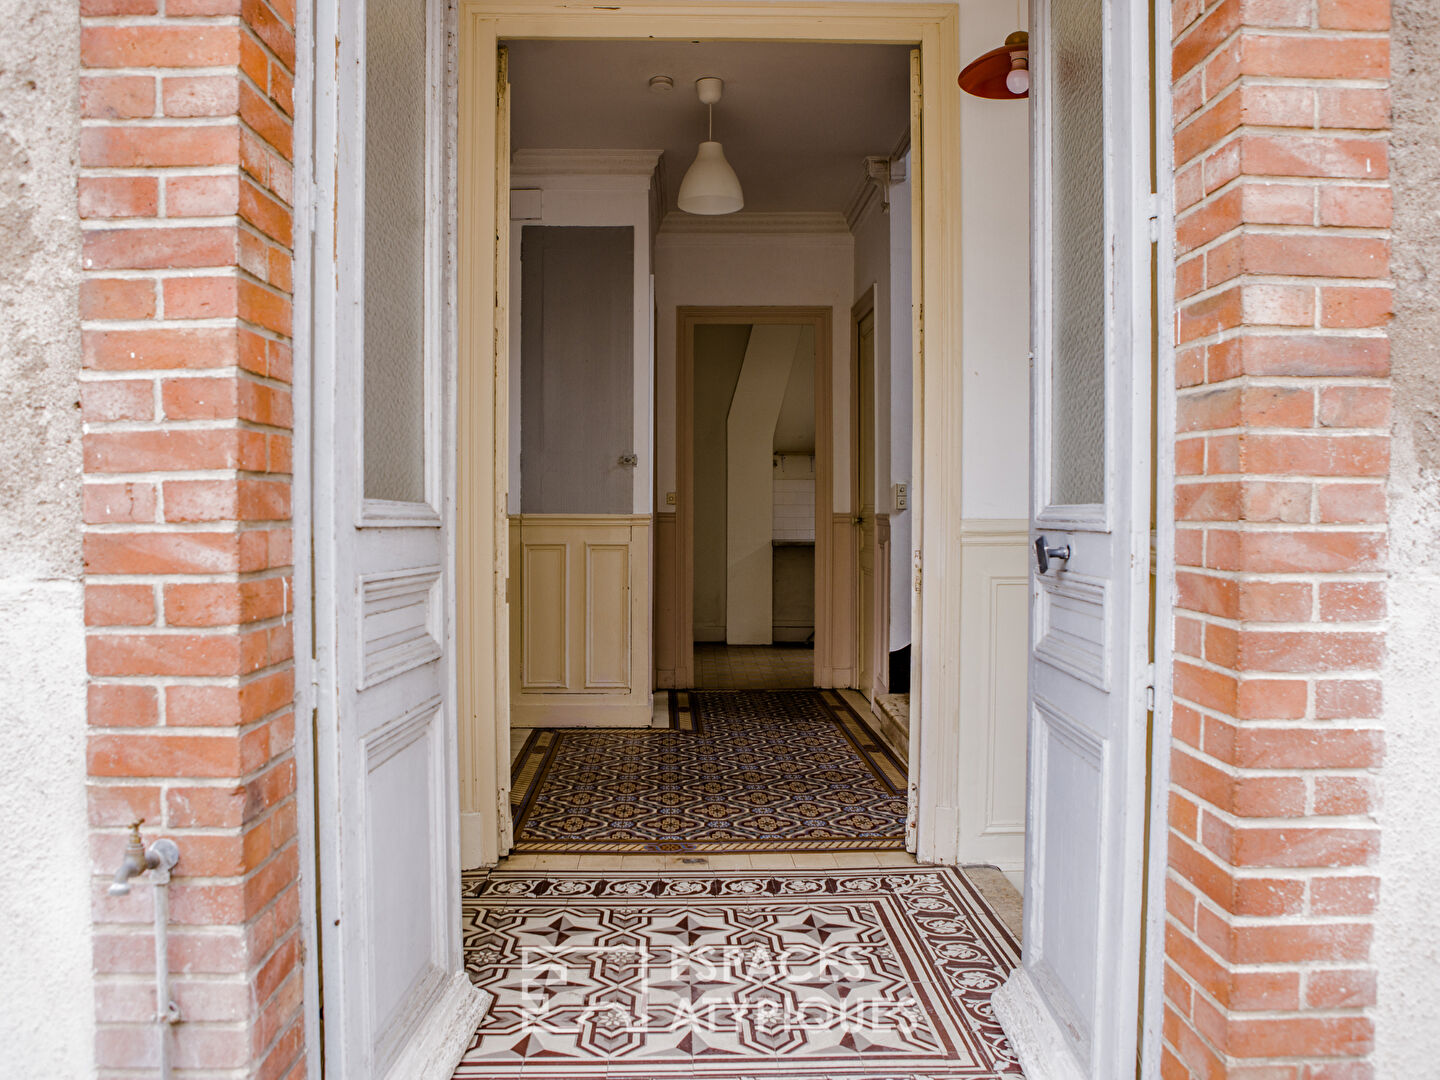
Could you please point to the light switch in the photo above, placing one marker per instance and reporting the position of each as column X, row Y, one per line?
column 669, row 498
column 902, row 496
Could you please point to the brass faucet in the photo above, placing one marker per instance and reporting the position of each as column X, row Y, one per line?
column 136, row 862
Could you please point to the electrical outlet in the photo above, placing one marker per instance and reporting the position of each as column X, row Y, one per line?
column 902, row 496
column 669, row 498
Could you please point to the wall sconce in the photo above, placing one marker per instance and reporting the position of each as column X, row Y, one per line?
column 1002, row 73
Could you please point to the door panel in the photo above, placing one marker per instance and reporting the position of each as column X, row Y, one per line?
column 397, row 1000
column 1071, row 1008
column 580, row 594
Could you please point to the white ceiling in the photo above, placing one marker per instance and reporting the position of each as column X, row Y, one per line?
column 796, row 121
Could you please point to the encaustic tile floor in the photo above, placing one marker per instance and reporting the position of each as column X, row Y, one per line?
column 735, row 771
column 878, row 972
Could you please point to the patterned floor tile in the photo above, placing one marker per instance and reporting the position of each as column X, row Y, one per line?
column 737, row 771
column 732, row 975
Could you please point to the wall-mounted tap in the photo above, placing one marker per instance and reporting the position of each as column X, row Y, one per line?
column 157, row 860
column 161, row 857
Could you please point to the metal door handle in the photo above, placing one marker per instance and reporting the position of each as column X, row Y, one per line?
column 1044, row 553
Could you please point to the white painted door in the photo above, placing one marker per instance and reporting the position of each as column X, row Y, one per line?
column 396, row 1000
column 1071, row 1009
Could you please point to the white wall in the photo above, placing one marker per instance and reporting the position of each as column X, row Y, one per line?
column 995, row 271
column 47, row 1022
column 802, row 267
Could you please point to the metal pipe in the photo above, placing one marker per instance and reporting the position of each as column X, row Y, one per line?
column 158, row 859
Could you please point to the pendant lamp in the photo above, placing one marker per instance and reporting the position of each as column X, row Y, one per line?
column 1000, row 73
column 710, row 185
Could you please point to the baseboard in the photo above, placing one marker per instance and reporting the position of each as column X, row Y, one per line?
column 474, row 830
column 579, row 710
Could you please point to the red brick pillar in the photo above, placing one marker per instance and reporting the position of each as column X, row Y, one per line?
column 1281, row 114
column 185, row 191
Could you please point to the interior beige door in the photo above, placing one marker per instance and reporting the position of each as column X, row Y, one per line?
column 865, row 500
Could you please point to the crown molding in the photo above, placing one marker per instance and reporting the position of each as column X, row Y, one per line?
column 756, row 223
column 584, row 162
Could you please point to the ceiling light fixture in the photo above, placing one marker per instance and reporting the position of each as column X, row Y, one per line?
column 710, row 185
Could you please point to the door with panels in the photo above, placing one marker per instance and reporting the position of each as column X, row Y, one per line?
column 397, row 1002
column 1071, row 1008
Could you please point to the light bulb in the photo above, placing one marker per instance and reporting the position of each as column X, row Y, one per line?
column 1018, row 81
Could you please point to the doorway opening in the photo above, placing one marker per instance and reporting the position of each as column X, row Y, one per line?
column 686, row 432
column 751, row 424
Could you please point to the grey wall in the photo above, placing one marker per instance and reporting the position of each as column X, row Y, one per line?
column 719, row 355
column 576, row 369
column 47, row 1023
column 1407, row 948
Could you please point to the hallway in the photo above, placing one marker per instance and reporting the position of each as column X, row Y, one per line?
column 746, row 966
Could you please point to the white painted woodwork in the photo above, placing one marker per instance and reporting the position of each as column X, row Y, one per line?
column 1072, row 1008
column 749, row 480
column 995, row 627
column 397, row 1001
column 867, row 607
column 580, row 622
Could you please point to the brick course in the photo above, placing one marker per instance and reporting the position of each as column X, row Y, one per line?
column 1282, row 251
column 185, row 199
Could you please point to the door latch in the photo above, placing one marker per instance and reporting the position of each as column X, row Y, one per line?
column 1044, row 553
column 630, row 460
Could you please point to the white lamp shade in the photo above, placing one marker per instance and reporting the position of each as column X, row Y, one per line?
column 710, row 186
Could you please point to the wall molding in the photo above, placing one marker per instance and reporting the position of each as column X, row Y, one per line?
column 562, row 163
column 755, row 222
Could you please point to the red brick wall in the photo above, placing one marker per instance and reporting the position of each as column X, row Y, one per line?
column 185, row 193
column 1281, row 114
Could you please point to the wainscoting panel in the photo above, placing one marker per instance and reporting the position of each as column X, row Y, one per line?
column 993, row 671
column 835, row 648
column 580, row 620
column 667, row 605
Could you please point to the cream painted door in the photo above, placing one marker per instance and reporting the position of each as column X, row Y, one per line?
column 396, row 1000
column 865, row 510
column 1071, row 1008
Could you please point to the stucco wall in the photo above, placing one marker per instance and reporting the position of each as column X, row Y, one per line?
column 46, row 1026
column 1407, row 949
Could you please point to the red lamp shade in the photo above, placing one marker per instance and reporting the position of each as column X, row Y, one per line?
column 986, row 76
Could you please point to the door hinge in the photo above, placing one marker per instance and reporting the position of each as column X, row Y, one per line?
column 1150, row 687
column 918, row 569
column 1154, row 217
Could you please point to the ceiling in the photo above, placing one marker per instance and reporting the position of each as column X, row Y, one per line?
column 796, row 121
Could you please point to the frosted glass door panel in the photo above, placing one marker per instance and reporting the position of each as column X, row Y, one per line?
column 577, row 369
column 1078, row 264
column 395, row 249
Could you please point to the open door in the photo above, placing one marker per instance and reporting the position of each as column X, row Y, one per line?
column 397, row 1001
column 1071, row 1008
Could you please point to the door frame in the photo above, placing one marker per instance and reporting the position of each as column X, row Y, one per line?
column 481, row 523
column 879, row 616
column 829, row 601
